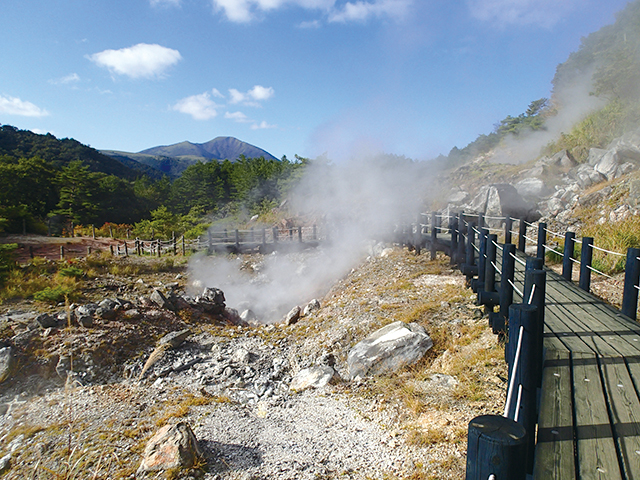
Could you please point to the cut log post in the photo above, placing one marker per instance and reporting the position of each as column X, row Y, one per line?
column 586, row 256
column 496, row 447
column 522, row 232
column 506, row 288
column 569, row 247
column 482, row 261
column 631, row 283
column 61, row 252
column 111, row 249
column 542, row 240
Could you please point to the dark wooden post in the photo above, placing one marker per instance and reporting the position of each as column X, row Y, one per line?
column 480, row 220
column 542, row 240
column 462, row 232
column 489, row 269
column 496, row 446
column 434, row 235
column 175, row 244
column 454, row 239
column 159, row 248
column 585, row 262
column 237, row 240
column 506, row 288
column 61, row 252
column 522, row 231
column 470, row 269
column 536, row 294
column 300, row 234
column 183, row 249
column 126, row 250
column 93, row 231
column 111, row 249
column 508, row 225
column 89, row 250
column 569, row 246
column 631, row 282
column 31, row 251
column 528, row 368
column 482, row 260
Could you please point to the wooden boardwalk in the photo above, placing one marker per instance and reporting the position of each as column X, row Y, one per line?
column 589, row 400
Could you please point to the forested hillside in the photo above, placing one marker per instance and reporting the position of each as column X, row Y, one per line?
column 46, row 180
column 608, row 63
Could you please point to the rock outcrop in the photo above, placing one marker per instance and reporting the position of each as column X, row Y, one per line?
column 388, row 349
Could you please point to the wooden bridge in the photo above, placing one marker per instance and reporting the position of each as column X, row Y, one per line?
column 573, row 406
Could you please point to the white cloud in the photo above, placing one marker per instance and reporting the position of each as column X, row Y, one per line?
column 243, row 11
column 165, row 3
column 236, row 96
column 15, row 106
column 310, row 24
column 262, row 125
column 237, row 117
column 139, row 61
column 544, row 13
column 259, row 93
column 362, row 11
column 200, row 107
column 251, row 98
column 71, row 78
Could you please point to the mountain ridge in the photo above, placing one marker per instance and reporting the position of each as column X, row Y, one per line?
column 219, row 148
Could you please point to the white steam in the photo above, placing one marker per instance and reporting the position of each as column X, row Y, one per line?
column 574, row 102
column 357, row 203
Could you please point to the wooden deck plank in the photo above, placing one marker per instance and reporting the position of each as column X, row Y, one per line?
column 554, row 458
column 597, row 457
column 625, row 414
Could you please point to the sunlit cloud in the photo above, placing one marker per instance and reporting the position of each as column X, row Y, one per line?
column 139, row 61
column 543, row 13
column 243, row 11
column 237, row 117
column 15, row 106
column 66, row 80
column 200, row 107
column 251, row 98
column 262, row 125
column 362, row 11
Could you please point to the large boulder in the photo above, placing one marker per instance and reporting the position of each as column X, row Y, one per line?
column 173, row 446
column 389, row 349
column 500, row 200
column 531, row 188
column 586, row 176
column 615, row 162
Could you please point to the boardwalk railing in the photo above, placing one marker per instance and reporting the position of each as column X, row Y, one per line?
column 504, row 446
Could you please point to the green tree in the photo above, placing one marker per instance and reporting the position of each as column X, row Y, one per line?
column 77, row 187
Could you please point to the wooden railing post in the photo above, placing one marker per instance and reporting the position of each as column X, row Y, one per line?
column 506, row 289
column 480, row 220
column 490, row 271
column 526, row 316
column 586, row 256
column 126, row 250
column 534, row 294
column 463, row 231
column 508, row 225
column 496, row 446
column 237, row 239
column 469, row 268
column 631, row 282
column 522, row 232
column 434, row 235
column 183, row 249
column 569, row 248
column 454, row 239
column 478, row 284
column 542, row 240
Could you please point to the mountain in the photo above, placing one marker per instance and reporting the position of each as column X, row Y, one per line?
column 174, row 159
column 220, row 148
column 60, row 152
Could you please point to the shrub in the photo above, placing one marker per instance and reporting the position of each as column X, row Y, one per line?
column 55, row 294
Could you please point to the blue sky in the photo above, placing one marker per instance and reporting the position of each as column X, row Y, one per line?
column 409, row 77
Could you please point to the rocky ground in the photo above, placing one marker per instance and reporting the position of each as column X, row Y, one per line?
column 78, row 405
